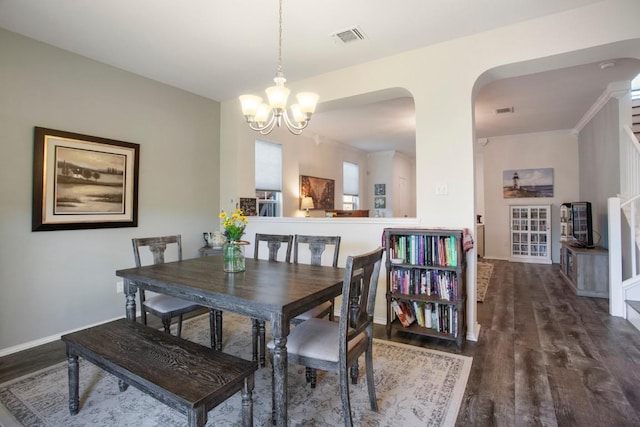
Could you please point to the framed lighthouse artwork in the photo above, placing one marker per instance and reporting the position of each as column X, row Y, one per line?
column 527, row 183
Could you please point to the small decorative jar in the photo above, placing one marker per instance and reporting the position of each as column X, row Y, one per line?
column 233, row 256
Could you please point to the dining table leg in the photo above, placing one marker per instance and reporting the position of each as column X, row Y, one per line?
column 280, row 331
column 130, row 290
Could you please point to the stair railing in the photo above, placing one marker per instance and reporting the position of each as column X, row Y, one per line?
column 626, row 206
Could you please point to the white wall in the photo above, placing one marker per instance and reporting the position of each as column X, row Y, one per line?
column 404, row 186
column 479, row 176
column 397, row 171
column 379, row 172
column 557, row 150
column 56, row 281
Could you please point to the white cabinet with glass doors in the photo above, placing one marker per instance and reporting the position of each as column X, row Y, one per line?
column 530, row 233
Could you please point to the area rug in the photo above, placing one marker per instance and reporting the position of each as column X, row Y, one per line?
column 414, row 387
column 483, row 277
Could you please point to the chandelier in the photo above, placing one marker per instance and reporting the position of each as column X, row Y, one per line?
column 263, row 118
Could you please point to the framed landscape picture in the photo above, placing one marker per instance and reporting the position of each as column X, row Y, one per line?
column 83, row 182
column 321, row 190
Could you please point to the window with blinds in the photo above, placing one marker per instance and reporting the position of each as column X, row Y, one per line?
column 350, row 186
column 268, row 164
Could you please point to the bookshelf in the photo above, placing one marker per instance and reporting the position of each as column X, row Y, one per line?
column 426, row 282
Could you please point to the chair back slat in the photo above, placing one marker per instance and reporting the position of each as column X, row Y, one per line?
column 157, row 246
column 317, row 246
column 274, row 243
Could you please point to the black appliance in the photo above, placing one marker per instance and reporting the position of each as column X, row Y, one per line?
column 582, row 224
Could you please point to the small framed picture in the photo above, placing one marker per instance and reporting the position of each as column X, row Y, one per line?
column 249, row 206
column 380, row 202
column 379, row 189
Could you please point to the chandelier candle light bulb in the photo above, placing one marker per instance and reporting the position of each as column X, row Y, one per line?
column 263, row 118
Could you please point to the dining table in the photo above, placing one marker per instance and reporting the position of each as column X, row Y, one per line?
column 267, row 290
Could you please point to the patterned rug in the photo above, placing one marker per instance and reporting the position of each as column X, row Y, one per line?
column 482, row 280
column 414, row 387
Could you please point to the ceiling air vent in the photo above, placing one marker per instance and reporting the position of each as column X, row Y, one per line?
column 349, row 35
column 505, row 110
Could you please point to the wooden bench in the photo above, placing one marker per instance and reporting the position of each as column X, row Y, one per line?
column 189, row 377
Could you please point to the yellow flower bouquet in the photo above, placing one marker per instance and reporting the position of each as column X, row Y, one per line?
column 233, row 224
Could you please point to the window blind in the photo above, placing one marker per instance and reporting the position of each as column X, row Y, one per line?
column 268, row 166
column 350, row 179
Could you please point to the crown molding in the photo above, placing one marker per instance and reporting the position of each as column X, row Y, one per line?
column 614, row 90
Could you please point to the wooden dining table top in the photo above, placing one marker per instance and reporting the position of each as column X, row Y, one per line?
column 264, row 288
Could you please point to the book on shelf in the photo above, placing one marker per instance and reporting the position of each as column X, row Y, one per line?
column 424, row 249
column 412, row 281
column 435, row 324
column 404, row 313
column 428, row 321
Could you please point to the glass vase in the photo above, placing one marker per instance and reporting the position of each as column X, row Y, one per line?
column 233, row 257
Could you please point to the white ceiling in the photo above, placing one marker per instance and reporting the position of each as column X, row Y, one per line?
column 221, row 49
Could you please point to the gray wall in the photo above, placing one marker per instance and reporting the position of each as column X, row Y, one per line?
column 56, row 281
column 599, row 165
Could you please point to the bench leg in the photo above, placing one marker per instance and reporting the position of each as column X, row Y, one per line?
column 74, row 379
column 197, row 417
column 247, row 401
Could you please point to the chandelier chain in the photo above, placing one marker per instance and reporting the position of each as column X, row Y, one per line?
column 280, row 38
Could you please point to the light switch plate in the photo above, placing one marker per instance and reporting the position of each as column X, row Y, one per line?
column 442, row 189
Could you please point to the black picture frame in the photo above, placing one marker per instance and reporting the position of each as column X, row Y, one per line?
column 83, row 182
column 379, row 189
column 249, row 206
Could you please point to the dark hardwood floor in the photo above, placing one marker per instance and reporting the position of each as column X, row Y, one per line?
column 544, row 356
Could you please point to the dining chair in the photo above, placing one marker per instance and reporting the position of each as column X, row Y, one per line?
column 164, row 306
column 274, row 243
column 317, row 246
column 336, row 346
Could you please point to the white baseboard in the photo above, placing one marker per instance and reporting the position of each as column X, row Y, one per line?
column 473, row 335
column 46, row 340
column 633, row 317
